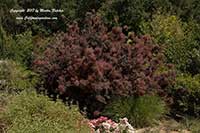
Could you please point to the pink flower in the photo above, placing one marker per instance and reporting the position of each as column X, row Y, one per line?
column 112, row 123
column 102, row 118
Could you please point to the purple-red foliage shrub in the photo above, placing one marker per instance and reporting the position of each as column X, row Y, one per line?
column 92, row 64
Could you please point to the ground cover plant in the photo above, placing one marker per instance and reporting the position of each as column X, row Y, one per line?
column 30, row 112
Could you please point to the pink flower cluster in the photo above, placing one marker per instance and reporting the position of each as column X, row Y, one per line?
column 105, row 125
column 97, row 122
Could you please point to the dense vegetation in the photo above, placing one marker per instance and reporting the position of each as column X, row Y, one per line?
column 112, row 58
column 92, row 65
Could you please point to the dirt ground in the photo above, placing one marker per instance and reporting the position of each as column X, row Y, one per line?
column 167, row 126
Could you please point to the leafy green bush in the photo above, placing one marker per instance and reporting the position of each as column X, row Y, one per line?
column 84, row 6
column 177, row 38
column 186, row 95
column 141, row 111
column 193, row 37
column 14, row 78
column 4, row 41
column 7, row 19
column 186, row 9
column 18, row 47
column 164, row 28
column 131, row 12
column 30, row 113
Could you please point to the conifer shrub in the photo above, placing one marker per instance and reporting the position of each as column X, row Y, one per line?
column 91, row 65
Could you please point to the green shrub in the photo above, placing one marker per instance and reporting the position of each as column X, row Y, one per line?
column 177, row 38
column 191, row 83
column 31, row 113
column 164, row 28
column 131, row 12
column 186, row 95
column 14, row 78
column 7, row 19
column 141, row 111
column 193, row 37
column 18, row 47
column 21, row 49
column 4, row 41
column 134, row 12
column 186, row 9
column 84, row 6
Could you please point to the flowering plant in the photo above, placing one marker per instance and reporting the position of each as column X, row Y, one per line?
column 105, row 125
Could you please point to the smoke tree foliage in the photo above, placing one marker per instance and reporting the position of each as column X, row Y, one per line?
column 91, row 65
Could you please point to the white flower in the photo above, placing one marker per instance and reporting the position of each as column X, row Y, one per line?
column 106, row 125
column 124, row 124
